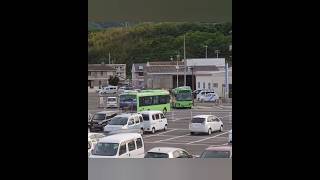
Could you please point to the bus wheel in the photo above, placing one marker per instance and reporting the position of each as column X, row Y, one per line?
column 165, row 111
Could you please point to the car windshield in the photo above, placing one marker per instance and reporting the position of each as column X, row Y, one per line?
column 105, row 149
column 198, row 120
column 184, row 96
column 145, row 117
column 118, row 121
column 99, row 117
column 215, row 154
column 128, row 98
column 111, row 99
column 156, row 155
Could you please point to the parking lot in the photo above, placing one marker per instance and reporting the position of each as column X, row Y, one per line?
column 178, row 134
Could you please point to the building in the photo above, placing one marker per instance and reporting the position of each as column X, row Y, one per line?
column 120, row 71
column 207, row 74
column 98, row 74
column 137, row 72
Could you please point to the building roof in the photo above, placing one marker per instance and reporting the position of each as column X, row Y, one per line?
column 136, row 67
column 117, row 138
column 160, row 63
column 172, row 69
column 100, row 67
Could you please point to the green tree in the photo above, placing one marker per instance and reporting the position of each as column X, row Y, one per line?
column 113, row 80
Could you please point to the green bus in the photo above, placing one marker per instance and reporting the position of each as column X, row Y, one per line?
column 145, row 100
column 182, row 97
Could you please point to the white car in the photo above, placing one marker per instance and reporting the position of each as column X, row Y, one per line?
column 209, row 97
column 112, row 102
column 230, row 136
column 205, row 124
column 125, row 145
column 125, row 123
column 154, row 121
column 167, row 152
column 203, row 92
column 109, row 90
column 217, row 152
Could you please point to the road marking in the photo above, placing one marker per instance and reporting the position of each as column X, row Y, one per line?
column 185, row 144
column 225, row 116
column 160, row 133
column 171, row 138
column 207, row 138
column 178, row 119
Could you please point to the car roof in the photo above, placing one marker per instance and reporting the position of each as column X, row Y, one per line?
column 219, row 148
column 164, row 149
column 117, row 138
column 106, row 112
column 203, row 116
column 150, row 112
column 126, row 114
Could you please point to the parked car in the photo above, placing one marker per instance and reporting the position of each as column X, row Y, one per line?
column 209, row 97
column 109, row 90
column 196, row 92
column 205, row 124
column 217, row 152
column 125, row 123
column 230, row 136
column 124, row 145
column 167, row 152
column 112, row 102
column 93, row 139
column 101, row 119
column 204, row 92
column 154, row 121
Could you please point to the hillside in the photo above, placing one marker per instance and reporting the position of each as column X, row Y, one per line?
column 158, row 41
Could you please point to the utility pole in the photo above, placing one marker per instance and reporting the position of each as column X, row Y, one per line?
column 177, row 67
column 109, row 58
column 185, row 61
column 206, row 46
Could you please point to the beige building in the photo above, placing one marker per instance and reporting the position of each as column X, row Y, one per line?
column 98, row 74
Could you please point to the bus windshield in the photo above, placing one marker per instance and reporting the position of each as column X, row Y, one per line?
column 128, row 98
column 184, row 96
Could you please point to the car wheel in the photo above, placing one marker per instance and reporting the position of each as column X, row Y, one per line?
column 209, row 131
column 221, row 129
column 165, row 127
column 141, row 131
column 153, row 130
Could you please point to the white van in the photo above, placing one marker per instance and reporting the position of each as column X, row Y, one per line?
column 126, row 145
column 112, row 102
column 109, row 90
column 204, row 92
column 154, row 121
column 125, row 123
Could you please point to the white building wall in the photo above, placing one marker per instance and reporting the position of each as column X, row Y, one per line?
column 217, row 77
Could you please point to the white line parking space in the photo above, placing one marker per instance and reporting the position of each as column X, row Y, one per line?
column 207, row 138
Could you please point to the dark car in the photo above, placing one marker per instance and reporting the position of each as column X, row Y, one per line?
column 101, row 119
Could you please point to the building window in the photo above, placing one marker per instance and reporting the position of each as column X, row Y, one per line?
column 198, row 85
column 89, row 73
column 215, row 85
column 101, row 73
column 209, row 85
column 140, row 73
column 204, row 85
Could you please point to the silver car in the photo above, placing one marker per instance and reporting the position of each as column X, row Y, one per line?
column 125, row 123
column 167, row 152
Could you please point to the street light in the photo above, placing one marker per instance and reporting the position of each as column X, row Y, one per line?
column 177, row 67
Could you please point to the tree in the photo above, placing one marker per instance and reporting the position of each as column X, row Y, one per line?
column 113, row 80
